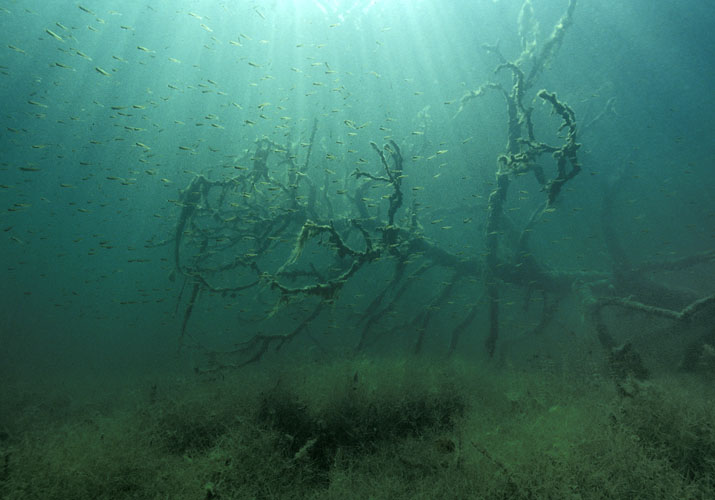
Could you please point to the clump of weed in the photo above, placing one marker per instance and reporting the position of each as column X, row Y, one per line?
column 356, row 420
column 320, row 420
column 676, row 425
column 185, row 430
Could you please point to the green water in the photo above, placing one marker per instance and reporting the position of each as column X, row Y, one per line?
column 351, row 249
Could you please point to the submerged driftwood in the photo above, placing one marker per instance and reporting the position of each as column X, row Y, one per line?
column 249, row 232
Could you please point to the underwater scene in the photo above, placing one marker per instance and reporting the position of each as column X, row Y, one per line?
column 357, row 249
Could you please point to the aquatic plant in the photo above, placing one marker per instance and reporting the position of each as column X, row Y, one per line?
column 392, row 428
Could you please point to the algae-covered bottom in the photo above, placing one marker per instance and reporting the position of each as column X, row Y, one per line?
column 386, row 428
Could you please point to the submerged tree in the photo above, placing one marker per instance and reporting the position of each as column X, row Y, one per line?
column 249, row 233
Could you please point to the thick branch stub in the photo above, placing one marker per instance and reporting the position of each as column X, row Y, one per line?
column 685, row 314
column 552, row 45
column 566, row 154
column 473, row 94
